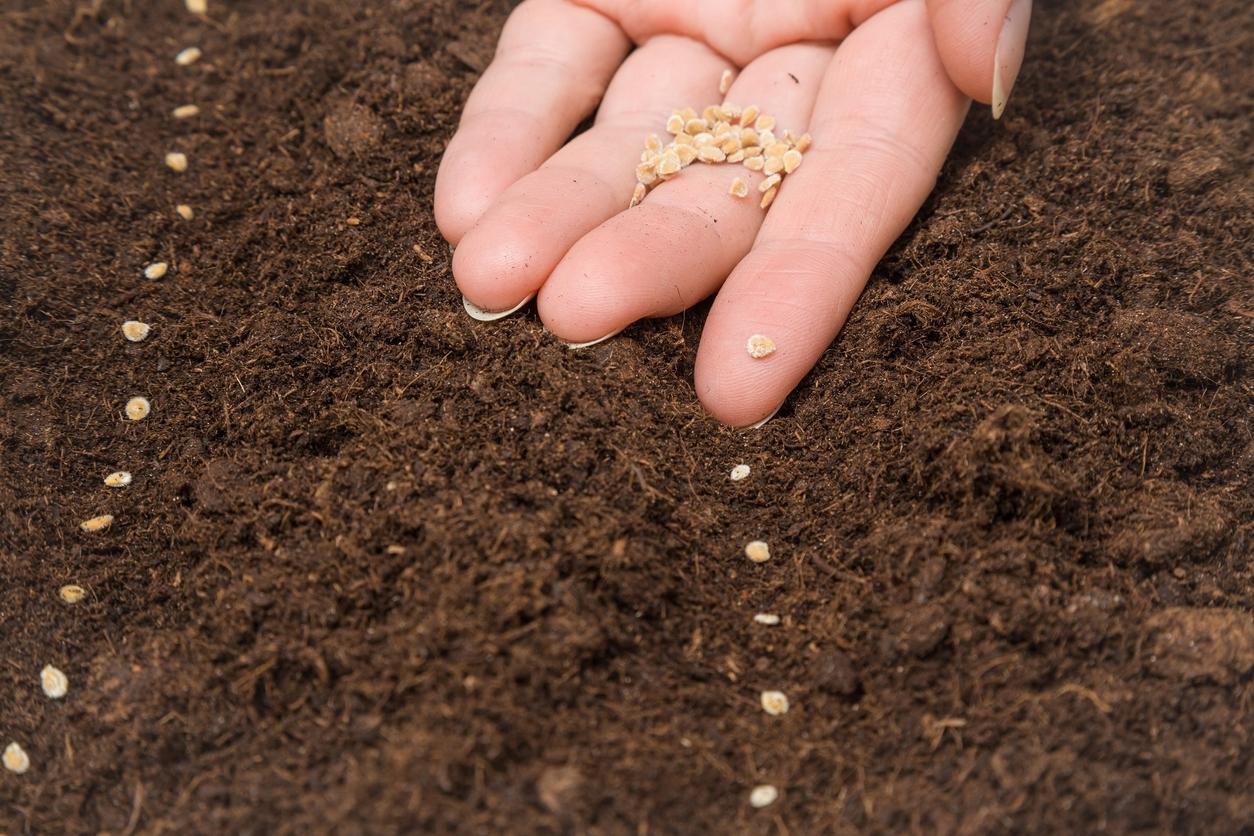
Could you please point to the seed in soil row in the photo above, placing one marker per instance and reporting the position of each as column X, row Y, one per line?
column 759, row 346
column 72, row 593
column 740, row 471
column 54, row 682
column 118, row 479
column 176, row 160
column 99, row 523
column 185, row 111
column 135, row 331
column 770, row 619
column 758, row 551
column 763, row 795
column 156, row 270
column 197, row 7
column 16, row 759
column 774, row 703
column 188, row 56
column 137, row 408
column 185, row 211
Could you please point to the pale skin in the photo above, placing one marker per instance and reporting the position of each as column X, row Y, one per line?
column 882, row 86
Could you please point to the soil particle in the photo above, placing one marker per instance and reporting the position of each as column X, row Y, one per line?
column 351, row 129
column 1188, row 643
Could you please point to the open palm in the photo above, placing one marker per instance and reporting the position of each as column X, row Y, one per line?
column 530, row 216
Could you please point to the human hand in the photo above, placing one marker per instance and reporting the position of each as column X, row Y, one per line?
column 883, row 107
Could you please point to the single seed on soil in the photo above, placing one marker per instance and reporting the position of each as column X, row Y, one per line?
column 135, row 331
column 54, row 683
column 759, row 346
column 353, row 221
column 774, row 703
column 763, row 796
column 768, row 198
column 197, row 7
column 725, row 82
column 137, row 408
column 185, row 211
column 770, row 619
column 99, row 523
column 15, row 759
column 758, row 551
column 740, row 471
column 188, row 56
column 185, row 111
column 156, row 270
column 739, row 188
column 176, row 160
column 118, row 479
column 72, row 593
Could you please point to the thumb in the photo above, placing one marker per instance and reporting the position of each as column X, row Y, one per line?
column 981, row 43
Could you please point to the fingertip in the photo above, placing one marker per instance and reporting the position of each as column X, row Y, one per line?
column 966, row 33
column 738, row 392
column 491, row 266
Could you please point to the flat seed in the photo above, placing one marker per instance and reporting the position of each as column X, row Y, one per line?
column 740, row 471
column 675, row 124
column 766, row 138
column 197, row 7
column 774, row 703
column 804, row 143
column 763, row 795
column 769, row 183
column 653, row 143
column 777, row 149
column 749, row 115
column 770, row 619
column 137, row 408
column 54, row 682
column 754, row 163
column 99, row 523
column 711, row 154
column 730, row 145
column 688, row 113
column 738, row 189
column 682, row 139
column 185, row 111
column 764, row 123
column 704, row 138
column 135, row 331
column 670, row 165
column 732, row 112
column 725, row 81
column 736, row 156
column 759, row 346
column 176, row 160
column 118, row 479
column 156, row 270
column 687, row 153
column 185, row 211
column 72, row 593
column 638, row 195
column 16, row 759
column 758, row 551
column 696, row 126
column 188, row 56
column 768, row 198
column 712, row 114
column 646, row 175
column 792, row 160
column 748, row 137
column 773, row 165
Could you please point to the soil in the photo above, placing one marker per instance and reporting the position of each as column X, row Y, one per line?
column 386, row 569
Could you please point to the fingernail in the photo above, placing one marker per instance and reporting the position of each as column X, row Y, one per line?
column 591, row 343
column 480, row 314
column 762, row 423
column 1008, row 57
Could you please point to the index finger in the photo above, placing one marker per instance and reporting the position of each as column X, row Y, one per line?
column 552, row 65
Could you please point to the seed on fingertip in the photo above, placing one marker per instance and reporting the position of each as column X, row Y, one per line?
column 186, row 111
column 725, row 82
column 137, row 408
column 758, row 551
column 118, row 479
column 763, row 796
column 72, row 593
column 176, row 160
column 188, row 56
column 770, row 619
column 185, row 211
column 16, row 759
column 759, row 346
column 156, row 270
column 99, row 523
column 738, row 188
column 740, row 471
column 135, row 331
column 54, row 682
column 774, row 703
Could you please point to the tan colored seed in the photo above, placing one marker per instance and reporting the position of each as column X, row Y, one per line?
column 768, row 198
column 749, row 115
column 774, row 703
column 711, row 154
column 137, row 408
column 770, row 619
column 803, row 144
column 135, row 331
column 777, row 149
column 675, row 124
column 99, row 523
column 725, row 81
column 16, row 759
column 197, row 7
column 185, row 211
column 646, row 175
column 702, row 139
column 748, row 137
column 712, row 113
column 353, row 221
column 736, row 156
column 792, row 160
column 696, row 126
column 54, row 682
column 682, row 139
column 738, row 189
column 740, row 471
column 72, row 593
column 790, row 137
column 773, row 165
column 758, row 551
column 156, row 270
column 687, row 153
column 653, row 143
column 754, row 163
column 730, row 145
column 759, row 346
column 770, row 182
column 688, row 113
column 766, row 138
column 185, row 111
column 638, row 195
column 188, row 56
column 764, row 123
column 176, row 160
column 732, row 112
column 118, row 479
column 763, row 795
column 670, row 165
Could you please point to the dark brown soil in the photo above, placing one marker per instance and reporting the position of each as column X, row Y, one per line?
column 386, row 569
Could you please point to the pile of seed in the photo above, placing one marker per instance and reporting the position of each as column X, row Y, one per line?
column 722, row 134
